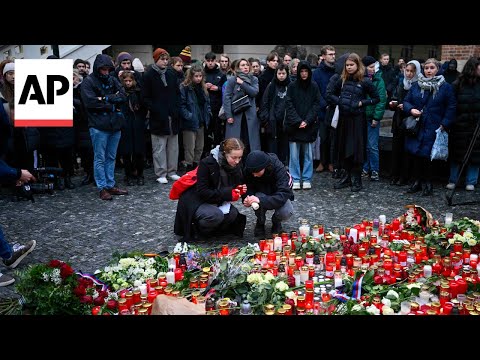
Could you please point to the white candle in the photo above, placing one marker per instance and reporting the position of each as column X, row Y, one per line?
column 303, row 275
column 255, row 206
column 382, row 219
column 315, row 232
column 448, row 218
column 143, row 289
column 296, row 275
column 277, row 243
column 171, row 275
column 473, row 257
column 353, row 234
column 427, row 271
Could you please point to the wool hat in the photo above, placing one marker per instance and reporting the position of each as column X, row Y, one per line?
column 257, row 161
column 159, row 52
column 368, row 60
column 124, row 56
column 8, row 67
column 137, row 65
column 186, row 55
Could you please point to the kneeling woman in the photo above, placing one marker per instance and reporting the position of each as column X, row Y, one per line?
column 206, row 207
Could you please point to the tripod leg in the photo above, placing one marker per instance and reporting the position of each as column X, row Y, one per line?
column 466, row 158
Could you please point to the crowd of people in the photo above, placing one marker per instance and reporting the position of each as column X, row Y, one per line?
column 225, row 117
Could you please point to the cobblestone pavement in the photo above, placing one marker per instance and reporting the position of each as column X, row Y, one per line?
column 77, row 227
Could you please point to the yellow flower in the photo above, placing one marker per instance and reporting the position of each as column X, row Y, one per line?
column 472, row 242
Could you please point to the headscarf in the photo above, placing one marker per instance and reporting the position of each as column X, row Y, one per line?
column 407, row 84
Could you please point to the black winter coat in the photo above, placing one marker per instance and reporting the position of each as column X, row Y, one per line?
column 133, row 134
column 104, row 113
column 206, row 190
column 273, row 109
column 302, row 104
column 275, row 184
column 215, row 77
column 467, row 117
column 162, row 101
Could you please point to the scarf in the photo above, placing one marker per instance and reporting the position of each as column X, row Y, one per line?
column 161, row 72
column 407, row 84
column 245, row 77
column 225, row 169
column 432, row 84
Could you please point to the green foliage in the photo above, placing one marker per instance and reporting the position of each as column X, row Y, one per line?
column 48, row 294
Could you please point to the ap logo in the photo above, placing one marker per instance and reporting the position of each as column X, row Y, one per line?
column 43, row 92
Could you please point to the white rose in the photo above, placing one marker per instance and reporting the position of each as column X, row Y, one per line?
column 372, row 309
column 357, row 307
column 392, row 294
column 290, row 295
column 472, row 242
column 386, row 302
column 282, row 286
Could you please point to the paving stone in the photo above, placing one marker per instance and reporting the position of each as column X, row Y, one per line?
column 77, row 227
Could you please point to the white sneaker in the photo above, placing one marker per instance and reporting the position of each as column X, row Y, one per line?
column 174, row 177
column 450, row 186
column 470, row 187
column 162, row 180
column 296, row 185
column 307, row 185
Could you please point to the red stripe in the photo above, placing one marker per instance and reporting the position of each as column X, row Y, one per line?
column 43, row 123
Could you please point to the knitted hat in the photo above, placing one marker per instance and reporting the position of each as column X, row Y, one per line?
column 124, row 56
column 257, row 161
column 159, row 52
column 186, row 55
column 137, row 65
column 8, row 67
column 368, row 60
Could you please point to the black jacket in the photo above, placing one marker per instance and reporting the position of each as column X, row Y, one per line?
column 302, row 104
column 103, row 114
column 275, row 184
column 206, row 190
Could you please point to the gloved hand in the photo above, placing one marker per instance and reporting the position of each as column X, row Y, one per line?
column 235, row 194
column 242, row 189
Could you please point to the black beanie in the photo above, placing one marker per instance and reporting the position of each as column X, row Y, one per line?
column 257, row 161
column 368, row 60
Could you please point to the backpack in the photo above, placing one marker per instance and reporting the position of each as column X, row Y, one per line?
column 186, row 181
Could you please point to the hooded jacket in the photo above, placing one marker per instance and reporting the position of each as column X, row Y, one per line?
column 302, row 104
column 102, row 96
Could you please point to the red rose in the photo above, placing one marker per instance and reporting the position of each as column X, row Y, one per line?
column 99, row 301
column 86, row 282
column 378, row 279
column 450, row 235
column 65, row 270
column 87, row 299
column 111, row 304
column 102, row 294
column 55, row 263
column 80, row 291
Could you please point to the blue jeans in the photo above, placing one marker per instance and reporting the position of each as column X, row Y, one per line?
column 5, row 248
column 373, row 162
column 105, row 144
column 471, row 175
column 294, row 163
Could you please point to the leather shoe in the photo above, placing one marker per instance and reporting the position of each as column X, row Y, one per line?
column 416, row 187
column 427, row 189
column 402, row 181
column 394, row 181
column 117, row 191
column 105, row 195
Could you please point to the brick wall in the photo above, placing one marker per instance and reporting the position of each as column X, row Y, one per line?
column 460, row 52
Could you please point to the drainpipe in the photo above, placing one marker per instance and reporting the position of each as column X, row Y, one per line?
column 56, row 51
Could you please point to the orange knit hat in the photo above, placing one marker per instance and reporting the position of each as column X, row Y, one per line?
column 159, row 52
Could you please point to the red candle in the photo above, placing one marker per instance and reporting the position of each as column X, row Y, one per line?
column 447, row 308
column 462, row 286
column 151, row 296
column 395, row 224
column 178, row 273
column 225, row 249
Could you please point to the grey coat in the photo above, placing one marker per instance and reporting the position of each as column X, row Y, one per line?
column 233, row 130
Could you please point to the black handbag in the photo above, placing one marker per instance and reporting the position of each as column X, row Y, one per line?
column 411, row 125
column 241, row 104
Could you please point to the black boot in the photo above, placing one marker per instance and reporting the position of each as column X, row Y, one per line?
column 60, row 183
column 427, row 189
column 416, row 187
column 68, row 183
column 357, row 182
column 259, row 230
column 393, row 180
column 402, row 181
column 88, row 179
column 238, row 226
column 276, row 226
column 345, row 181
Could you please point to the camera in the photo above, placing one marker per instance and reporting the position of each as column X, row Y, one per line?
column 46, row 179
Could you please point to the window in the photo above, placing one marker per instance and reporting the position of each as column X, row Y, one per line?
column 407, row 52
